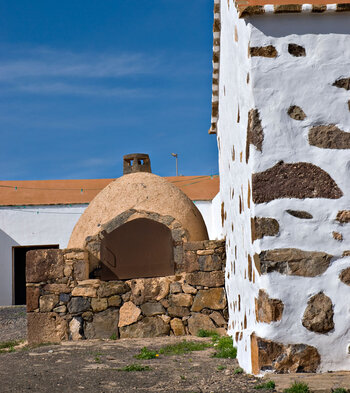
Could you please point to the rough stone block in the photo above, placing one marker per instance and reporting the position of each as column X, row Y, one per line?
column 57, row 288
column 186, row 288
column 181, row 299
column 32, row 296
column 149, row 289
column 129, row 314
column 48, row 302
column 294, row 262
column 114, row 301
column 343, row 216
column 151, row 309
column 177, row 327
column 81, row 270
column 87, row 291
column 265, row 226
column 99, row 304
column 344, row 276
column 318, row 316
column 329, row 137
column 266, row 309
column 175, row 287
column 46, row 327
column 214, row 299
column 199, row 321
column 103, row 325
column 206, row 279
column 218, row 318
column 147, row 327
column 111, row 288
column 44, row 265
column 191, row 262
column 76, row 328
column 78, row 305
column 177, row 311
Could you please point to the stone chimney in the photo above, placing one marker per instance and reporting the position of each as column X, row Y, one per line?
column 136, row 162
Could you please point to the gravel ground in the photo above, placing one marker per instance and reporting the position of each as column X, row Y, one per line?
column 13, row 323
column 92, row 366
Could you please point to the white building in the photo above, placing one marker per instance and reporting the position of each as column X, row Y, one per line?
column 43, row 213
column 281, row 99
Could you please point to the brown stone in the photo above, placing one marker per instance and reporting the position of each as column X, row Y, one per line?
column 263, row 51
column 129, row 314
column 199, row 321
column 346, row 253
column 265, row 226
column 178, row 311
column 78, row 305
column 206, row 279
column 217, row 317
column 214, row 299
column 175, row 287
column 99, row 304
column 294, row 262
column 73, row 254
column 297, row 51
column 343, row 216
column 181, row 299
column 205, row 252
column 329, row 137
column 337, row 236
column 48, row 302
column 60, row 309
column 189, row 289
column 318, row 316
column 81, row 270
column 191, row 262
column 296, row 113
column 147, row 327
column 32, row 298
column 177, row 327
column 57, row 288
column 44, row 265
column 46, row 328
column 300, row 214
column 255, row 133
column 151, row 309
column 111, row 288
column 299, row 180
column 149, row 289
column 269, row 355
column 86, row 291
column 252, row 10
column 114, row 301
column 343, row 83
column 345, row 276
column 209, row 263
column 103, row 325
column 266, row 309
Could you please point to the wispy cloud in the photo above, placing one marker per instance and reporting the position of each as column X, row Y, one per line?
column 41, row 62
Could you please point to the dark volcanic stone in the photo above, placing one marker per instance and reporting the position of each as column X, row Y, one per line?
column 300, row 214
column 329, row 137
column 78, row 305
column 298, row 180
column 343, row 83
column 296, row 113
column 255, row 133
column 265, row 226
column 318, row 316
column 296, row 50
column 43, row 265
column 294, row 262
column 263, row 51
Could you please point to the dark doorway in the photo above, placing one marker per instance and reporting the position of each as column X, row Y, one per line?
column 138, row 248
column 19, row 271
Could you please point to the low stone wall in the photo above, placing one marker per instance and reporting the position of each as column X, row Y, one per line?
column 64, row 304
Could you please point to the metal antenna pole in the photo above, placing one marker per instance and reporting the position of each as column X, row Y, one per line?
column 177, row 169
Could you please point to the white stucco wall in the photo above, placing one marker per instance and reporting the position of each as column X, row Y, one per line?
column 32, row 225
column 274, row 85
column 210, row 211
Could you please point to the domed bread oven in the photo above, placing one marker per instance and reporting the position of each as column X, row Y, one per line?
column 135, row 227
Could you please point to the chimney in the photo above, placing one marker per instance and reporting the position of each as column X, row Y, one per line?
column 136, row 162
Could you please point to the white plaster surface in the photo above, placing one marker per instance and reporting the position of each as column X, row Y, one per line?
column 274, row 85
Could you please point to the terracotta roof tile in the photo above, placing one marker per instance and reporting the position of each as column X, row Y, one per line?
column 65, row 192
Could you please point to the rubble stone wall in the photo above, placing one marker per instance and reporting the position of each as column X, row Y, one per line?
column 283, row 128
column 64, row 304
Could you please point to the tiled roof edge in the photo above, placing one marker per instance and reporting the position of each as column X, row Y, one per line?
column 245, row 11
column 216, row 68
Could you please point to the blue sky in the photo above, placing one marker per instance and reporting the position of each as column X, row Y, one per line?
column 84, row 82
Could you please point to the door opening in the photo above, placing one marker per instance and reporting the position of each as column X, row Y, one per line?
column 19, row 271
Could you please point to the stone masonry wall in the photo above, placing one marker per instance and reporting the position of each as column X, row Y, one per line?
column 283, row 129
column 64, row 304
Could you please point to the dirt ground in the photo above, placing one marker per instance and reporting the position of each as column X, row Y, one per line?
column 92, row 366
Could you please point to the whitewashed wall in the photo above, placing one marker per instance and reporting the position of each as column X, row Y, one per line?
column 274, row 85
column 32, row 225
column 45, row 225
